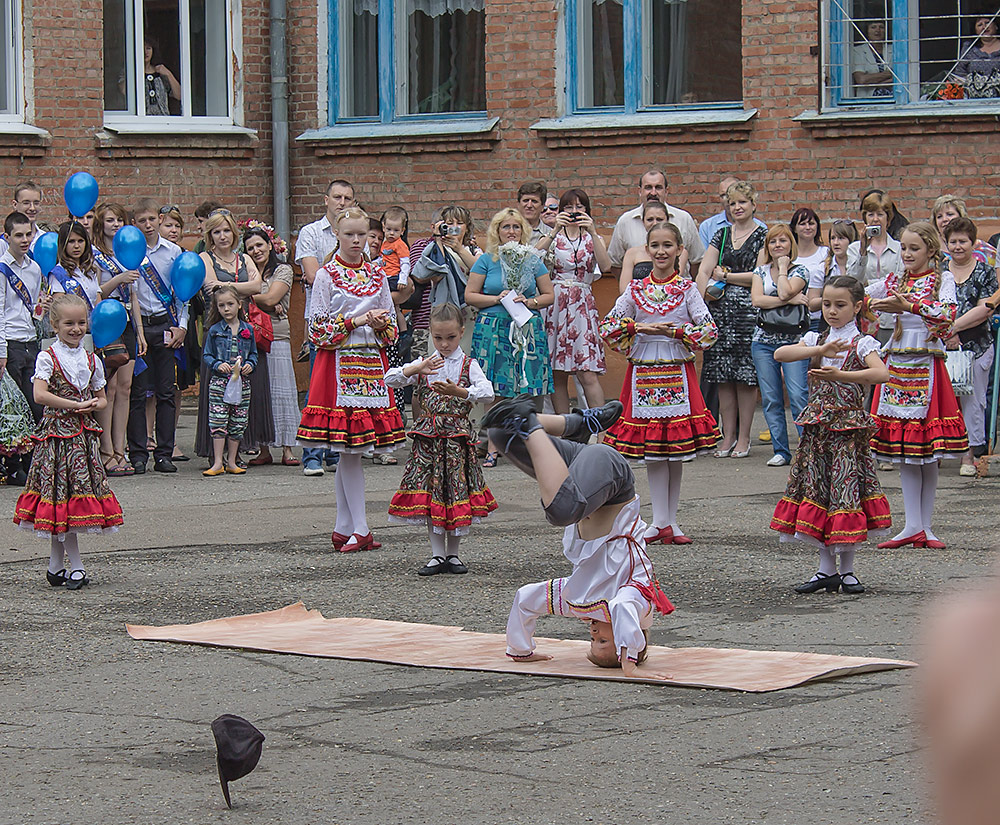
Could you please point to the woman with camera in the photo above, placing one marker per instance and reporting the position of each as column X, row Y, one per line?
column 876, row 253
column 579, row 257
column 778, row 292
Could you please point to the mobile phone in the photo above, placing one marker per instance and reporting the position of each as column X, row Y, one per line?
column 168, row 338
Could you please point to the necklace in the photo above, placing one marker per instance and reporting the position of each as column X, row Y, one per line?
column 236, row 257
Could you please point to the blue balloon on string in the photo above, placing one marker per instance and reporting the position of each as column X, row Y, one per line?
column 107, row 322
column 129, row 245
column 187, row 275
column 80, row 193
column 46, row 251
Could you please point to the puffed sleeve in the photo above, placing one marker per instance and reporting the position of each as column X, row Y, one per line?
column 938, row 314
column 618, row 329
column 810, row 339
column 97, row 379
column 326, row 330
column 480, row 388
column 43, row 366
column 627, row 609
column 390, row 334
column 866, row 346
column 702, row 332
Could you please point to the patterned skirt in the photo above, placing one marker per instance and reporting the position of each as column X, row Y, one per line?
column 728, row 360
column 512, row 368
column 677, row 438
column 443, row 486
column 284, row 394
column 940, row 433
column 345, row 429
column 833, row 494
column 67, row 489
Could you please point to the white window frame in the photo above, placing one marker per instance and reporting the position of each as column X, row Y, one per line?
column 139, row 120
column 14, row 51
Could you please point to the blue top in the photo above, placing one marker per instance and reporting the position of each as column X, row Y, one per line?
column 494, row 283
column 219, row 343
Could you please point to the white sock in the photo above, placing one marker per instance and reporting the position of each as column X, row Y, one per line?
column 437, row 545
column 676, row 469
column 658, row 473
column 343, row 524
column 56, row 556
column 349, row 471
column 928, row 492
column 827, row 561
column 72, row 548
column 910, row 478
column 846, row 559
column 453, row 541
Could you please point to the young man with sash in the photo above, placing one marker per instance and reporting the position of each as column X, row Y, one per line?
column 164, row 321
column 28, row 201
column 22, row 281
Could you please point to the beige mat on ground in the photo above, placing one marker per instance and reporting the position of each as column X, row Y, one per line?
column 294, row 629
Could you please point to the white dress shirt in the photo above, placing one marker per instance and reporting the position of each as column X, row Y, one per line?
column 75, row 365
column 630, row 232
column 316, row 240
column 162, row 256
column 18, row 322
column 90, row 283
column 480, row 389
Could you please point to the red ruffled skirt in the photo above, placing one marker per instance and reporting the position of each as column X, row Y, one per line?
column 680, row 437
column 346, row 429
column 919, row 440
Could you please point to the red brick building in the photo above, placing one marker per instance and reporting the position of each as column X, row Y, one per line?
column 424, row 102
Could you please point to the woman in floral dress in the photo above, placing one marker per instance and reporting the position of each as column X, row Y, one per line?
column 572, row 325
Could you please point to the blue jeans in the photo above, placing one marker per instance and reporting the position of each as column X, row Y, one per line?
column 317, row 454
column 772, row 392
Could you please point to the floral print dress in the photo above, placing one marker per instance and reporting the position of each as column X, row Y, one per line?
column 572, row 323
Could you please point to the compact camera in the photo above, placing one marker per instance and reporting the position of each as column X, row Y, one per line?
column 447, row 229
column 873, row 231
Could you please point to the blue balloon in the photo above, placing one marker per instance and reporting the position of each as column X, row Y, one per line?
column 107, row 322
column 129, row 246
column 46, row 252
column 80, row 193
column 187, row 275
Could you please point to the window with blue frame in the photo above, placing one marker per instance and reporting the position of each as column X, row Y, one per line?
column 399, row 59
column 899, row 52
column 635, row 55
column 10, row 75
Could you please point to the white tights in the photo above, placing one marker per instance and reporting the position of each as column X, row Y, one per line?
column 68, row 546
column 351, row 516
column 439, row 543
column 665, row 493
column 919, row 483
column 828, row 559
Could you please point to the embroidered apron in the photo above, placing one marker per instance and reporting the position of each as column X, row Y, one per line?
column 659, row 391
column 361, row 378
column 907, row 393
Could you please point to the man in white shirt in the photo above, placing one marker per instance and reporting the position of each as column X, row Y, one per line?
column 22, row 281
column 164, row 321
column 530, row 198
column 630, row 232
column 709, row 226
column 315, row 242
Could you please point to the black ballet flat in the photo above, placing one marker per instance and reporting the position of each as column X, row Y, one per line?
column 850, row 584
column 830, row 583
column 56, row 579
column 74, row 582
column 433, row 569
column 455, row 565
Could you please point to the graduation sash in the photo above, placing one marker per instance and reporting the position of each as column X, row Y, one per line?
column 160, row 289
column 116, row 269
column 70, row 284
column 18, row 286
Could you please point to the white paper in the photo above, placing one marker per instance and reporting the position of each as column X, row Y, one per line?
column 518, row 311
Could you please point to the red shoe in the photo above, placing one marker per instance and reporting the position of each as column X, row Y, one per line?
column 262, row 460
column 917, row 540
column 681, row 539
column 357, row 542
column 338, row 539
column 664, row 536
column 934, row 544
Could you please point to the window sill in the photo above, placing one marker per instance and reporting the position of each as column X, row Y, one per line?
column 690, row 126
column 403, row 137
column 146, row 139
column 915, row 119
column 20, row 139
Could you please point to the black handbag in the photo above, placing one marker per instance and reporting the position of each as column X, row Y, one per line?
column 790, row 319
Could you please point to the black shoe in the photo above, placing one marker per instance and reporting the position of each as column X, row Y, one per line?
column 454, row 565
column 56, row 579
column 582, row 424
column 850, row 584
column 139, row 467
column 164, row 465
column 830, row 583
column 433, row 569
column 76, row 580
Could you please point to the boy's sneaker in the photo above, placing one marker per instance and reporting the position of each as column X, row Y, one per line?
column 312, row 467
column 582, row 424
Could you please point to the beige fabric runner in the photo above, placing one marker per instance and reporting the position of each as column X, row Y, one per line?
column 294, row 629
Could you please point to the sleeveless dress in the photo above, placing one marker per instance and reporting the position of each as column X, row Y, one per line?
column 67, row 489
column 260, row 423
column 665, row 416
column 443, row 480
column 833, row 494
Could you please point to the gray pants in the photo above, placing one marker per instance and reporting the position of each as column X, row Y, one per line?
column 598, row 475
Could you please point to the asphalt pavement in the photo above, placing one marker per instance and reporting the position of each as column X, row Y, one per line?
column 98, row 728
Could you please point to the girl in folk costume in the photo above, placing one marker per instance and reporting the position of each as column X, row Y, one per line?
column 918, row 417
column 833, row 497
column 351, row 322
column 67, row 490
column 443, row 485
column 657, row 323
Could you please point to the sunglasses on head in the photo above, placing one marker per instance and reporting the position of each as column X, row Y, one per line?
column 166, row 210
column 219, row 212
